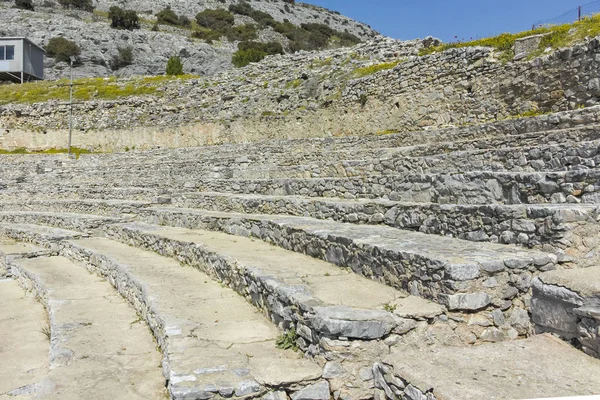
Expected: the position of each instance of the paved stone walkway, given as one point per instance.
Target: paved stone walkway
(98, 348)
(23, 344)
(213, 342)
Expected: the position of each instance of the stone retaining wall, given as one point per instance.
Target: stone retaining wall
(457, 87)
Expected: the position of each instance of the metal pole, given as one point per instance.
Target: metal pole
(70, 109)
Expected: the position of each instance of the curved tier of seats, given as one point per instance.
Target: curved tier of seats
(420, 265)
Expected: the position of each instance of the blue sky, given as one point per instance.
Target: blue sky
(445, 19)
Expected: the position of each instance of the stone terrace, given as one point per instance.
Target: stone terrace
(420, 265)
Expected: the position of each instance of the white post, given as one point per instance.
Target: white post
(70, 109)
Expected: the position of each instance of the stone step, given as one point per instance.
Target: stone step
(218, 164)
(561, 150)
(40, 235)
(95, 190)
(24, 345)
(555, 227)
(11, 249)
(97, 345)
(102, 207)
(324, 300)
(541, 366)
(467, 188)
(214, 344)
(463, 275)
(84, 223)
(560, 226)
(567, 303)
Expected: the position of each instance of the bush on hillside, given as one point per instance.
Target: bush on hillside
(249, 52)
(24, 4)
(269, 47)
(206, 34)
(242, 32)
(62, 49)
(217, 20)
(125, 19)
(85, 5)
(244, 8)
(169, 17)
(174, 66)
(313, 36)
(241, 58)
(122, 59)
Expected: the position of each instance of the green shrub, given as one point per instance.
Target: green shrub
(313, 36)
(241, 58)
(249, 52)
(123, 58)
(218, 20)
(167, 16)
(242, 8)
(242, 32)
(62, 49)
(174, 66)
(24, 4)
(207, 34)
(126, 19)
(269, 47)
(184, 21)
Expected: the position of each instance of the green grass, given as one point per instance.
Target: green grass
(22, 150)
(373, 69)
(556, 37)
(84, 89)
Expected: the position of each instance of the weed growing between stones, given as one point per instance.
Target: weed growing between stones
(287, 340)
(45, 330)
(390, 307)
(372, 69)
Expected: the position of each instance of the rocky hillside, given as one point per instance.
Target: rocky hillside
(151, 49)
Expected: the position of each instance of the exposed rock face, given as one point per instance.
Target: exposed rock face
(151, 50)
(99, 43)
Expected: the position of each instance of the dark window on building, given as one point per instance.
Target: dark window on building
(7, 53)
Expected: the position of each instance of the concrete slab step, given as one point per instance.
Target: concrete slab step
(460, 274)
(24, 345)
(541, 366)
(214, 344)
(97, 347)
(567, 303)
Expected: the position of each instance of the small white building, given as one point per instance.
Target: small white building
(21, 60)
